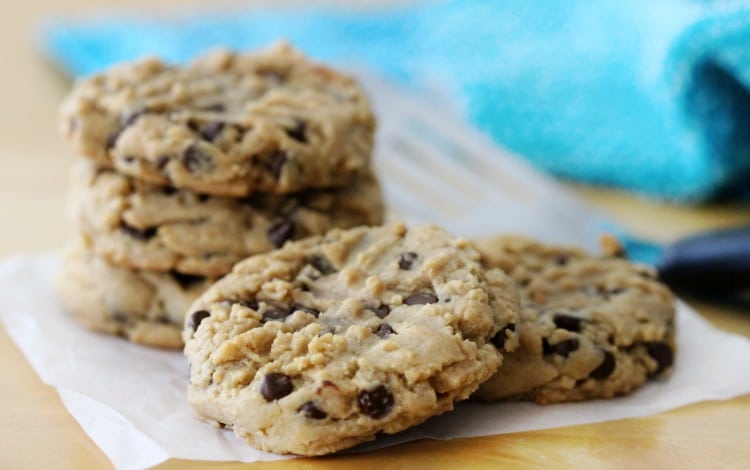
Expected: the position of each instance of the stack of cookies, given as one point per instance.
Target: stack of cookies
(183, 171)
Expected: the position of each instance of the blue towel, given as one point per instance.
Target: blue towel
(645, 95)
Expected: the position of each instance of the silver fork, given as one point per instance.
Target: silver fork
(434, 167)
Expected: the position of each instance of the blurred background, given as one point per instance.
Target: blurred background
(639, 106)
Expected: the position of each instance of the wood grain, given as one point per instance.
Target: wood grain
(37, 432)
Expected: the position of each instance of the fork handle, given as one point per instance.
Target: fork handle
(710, 263)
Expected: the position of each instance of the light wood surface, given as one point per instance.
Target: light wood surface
(37, 432)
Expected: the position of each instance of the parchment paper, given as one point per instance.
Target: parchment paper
(131, 399)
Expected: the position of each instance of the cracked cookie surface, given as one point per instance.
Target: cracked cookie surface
(322, 344)
(143, 307)
(591, 327)
(145, 226)
(226, 123)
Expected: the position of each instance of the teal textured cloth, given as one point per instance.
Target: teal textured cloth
(651, 96)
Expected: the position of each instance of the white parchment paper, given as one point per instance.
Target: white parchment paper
(131, 399)
(434, 168)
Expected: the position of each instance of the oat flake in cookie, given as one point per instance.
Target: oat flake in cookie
(144, 226)
(143, 307)
(226, 123)
(322, 344)
(591, 327)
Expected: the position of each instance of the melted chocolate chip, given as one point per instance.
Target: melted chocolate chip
(211, 130)
(280, 232)
(309, 310)
(499, 339)
(143, 235)
(311, 410)
(421, 298)
(194, 159)
(604, 369)
(275, 161)
(161, 162)
(376, 402)
(186, 280)
(546, 348)
(274, 314)
(196, 318)
(662, 353)
(322, 264)
(299, 131)
(384, 330)
(382, 311)
(112, 140)
(275, 386)
(567, 322)
(564, 348)
(406, 260)
(250, 303)
(120, 317)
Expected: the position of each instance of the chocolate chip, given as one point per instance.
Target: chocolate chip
(615, 291)
(161, 162)
(186, 280)
(310, 410)
(299, 131)
(211, 130)
(138, 234)
(128, 159)
(564, 348)
(280, 232)
(203, 197)
(275, 161)
(275, 386)
(606, 368)
(406, 260)
(196, 318)
(567, 322)
(499, 339)
(322, 264)
(376, 402)
(384, 330)
(421, 298)
(112, 140)
(274, 314)
(661, 353)
(194, 159)
(120, 317)
(546, 348)
(251, 304)
(561, 259)
(382, 311)
(309, 310)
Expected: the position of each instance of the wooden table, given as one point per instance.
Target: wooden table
(37, 432)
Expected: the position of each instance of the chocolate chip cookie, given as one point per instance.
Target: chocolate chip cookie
(145, 226)
(591, 327)
(226, 124)
(328, 341)
(144, 307)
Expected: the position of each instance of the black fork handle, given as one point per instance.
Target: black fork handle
(715, 262)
